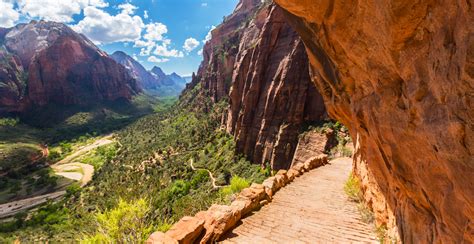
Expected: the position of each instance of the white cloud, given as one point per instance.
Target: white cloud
(204, 4)
(127, 8)
(154, 41)
(9, 16)
(162, 50)
(157, 60)
(54, 10)
(145, 14)
(200, 51)
(190, 44)
(155, 31)
(209, 34)
(101, 27)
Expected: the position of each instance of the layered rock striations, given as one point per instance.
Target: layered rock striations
(257, 62)
(400, 75)
(47, 62)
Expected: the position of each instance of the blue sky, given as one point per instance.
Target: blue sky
(165, 33)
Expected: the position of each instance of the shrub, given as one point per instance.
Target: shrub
(124, 224)
(236, 185)
(353, 191)
(9, 121)
(179, 188)
(352, 188)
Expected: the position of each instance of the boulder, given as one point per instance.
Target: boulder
(292, 174)
(217, 220)
(270, 186)
(187, 230)
(160, 238)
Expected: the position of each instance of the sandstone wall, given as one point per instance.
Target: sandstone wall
(258, 62)
(400, 75)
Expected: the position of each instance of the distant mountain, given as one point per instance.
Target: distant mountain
(154, 81)
(179, 81)
(47, 62)
(136, 70)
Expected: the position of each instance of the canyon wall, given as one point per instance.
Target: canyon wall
(258, 62)
(400, 76)
(47, 62)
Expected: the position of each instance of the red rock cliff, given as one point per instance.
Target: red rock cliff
(400, 75)
(258, 62)
(47, 62)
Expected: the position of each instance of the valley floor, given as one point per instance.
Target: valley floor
(312, 209)
(68, 168)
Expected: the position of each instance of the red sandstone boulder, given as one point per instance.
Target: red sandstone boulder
(160, 238)
(187, 230)
(217, 220)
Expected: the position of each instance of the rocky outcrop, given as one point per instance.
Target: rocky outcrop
(256, 61)
(12, 82)
(311, 144)
(400, 75)
(220, 52)
(47, 62)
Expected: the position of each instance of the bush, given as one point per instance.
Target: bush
(352, 188)
(237, 184)
(9, 121)
(124, 224)
(353, 191)
(179, 188)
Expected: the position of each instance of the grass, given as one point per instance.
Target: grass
(353, 190)
(237, 184)
(99, 156)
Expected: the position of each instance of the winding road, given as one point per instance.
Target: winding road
(67, 168)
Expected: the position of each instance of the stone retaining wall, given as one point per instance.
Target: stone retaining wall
(208, 226)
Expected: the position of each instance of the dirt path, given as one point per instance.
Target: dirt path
(84, 175)
(213, 180)
(312, 209)
(85, 149)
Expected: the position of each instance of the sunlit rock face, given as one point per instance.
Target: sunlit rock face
(400, 75)
(47, 62)
(259, 63)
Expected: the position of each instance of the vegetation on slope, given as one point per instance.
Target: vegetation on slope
(23, 167)
(152, 168)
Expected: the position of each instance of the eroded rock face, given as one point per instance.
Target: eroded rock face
(47, 62)
(258, 62)
(312, 144)
(12, 82)
(54, 76)
(400, 75)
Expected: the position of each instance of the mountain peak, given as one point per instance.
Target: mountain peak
(119, 53)
(158, 71)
